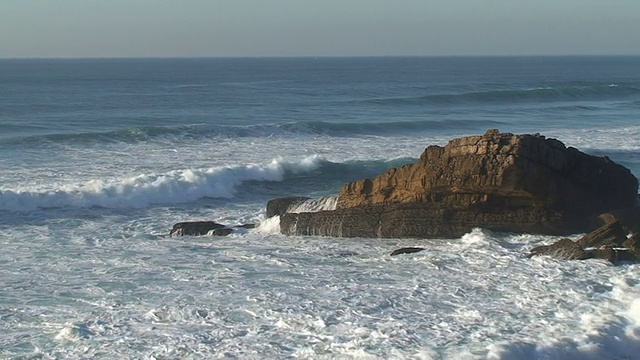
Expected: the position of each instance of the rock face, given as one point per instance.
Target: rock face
(498, 181)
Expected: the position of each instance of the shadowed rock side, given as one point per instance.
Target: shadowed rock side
(497, 181)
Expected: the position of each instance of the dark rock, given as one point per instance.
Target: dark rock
(613, 255)
(413, 220)
(565, 249)
(633, 246)
(194, 228)
(406, 250)
(633, 242)
(220, 232)
(607, 243)
(611, 234)
(497, 181)
(278, 207)
(628, 217)
(246, 226)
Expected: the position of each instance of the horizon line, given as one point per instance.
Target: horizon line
(307, 56)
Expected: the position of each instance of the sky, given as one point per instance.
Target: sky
(230, 28)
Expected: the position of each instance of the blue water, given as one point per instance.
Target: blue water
(100, 157)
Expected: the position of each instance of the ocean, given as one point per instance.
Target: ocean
(100, 157)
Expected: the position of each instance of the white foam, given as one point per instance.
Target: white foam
(172, 187)
(613, 138)
(270, 225)
(315, 205)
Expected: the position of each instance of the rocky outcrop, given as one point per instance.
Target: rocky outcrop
(565, 249)
(497, 181)
(605, 243)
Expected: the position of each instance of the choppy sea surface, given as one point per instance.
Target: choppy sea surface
(99, 158)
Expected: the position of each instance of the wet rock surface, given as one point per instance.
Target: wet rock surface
(605, 243)
(200, 228)
(406, 250)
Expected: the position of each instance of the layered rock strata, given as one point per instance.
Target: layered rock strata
(497, 181)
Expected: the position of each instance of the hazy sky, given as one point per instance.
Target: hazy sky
(141, 28)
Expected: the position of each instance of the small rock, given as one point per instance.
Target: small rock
(194, 228)
(406, 250)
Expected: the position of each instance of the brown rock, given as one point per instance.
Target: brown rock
(611, 234)
(565, 249)
(502, 169)
(497, 181)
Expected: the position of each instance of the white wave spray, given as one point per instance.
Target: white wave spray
(176, 186)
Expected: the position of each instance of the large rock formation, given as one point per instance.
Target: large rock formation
(498, 181)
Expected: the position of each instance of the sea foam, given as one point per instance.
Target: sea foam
(176, 186)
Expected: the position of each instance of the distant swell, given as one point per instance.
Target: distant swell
(575, 93)
(204, 131)
(182, 186)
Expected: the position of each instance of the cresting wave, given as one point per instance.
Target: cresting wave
(176, 186)
(570, 93)
(187, 185)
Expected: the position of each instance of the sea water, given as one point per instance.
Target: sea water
(99, 158)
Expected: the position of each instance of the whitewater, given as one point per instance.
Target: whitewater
(100, 158)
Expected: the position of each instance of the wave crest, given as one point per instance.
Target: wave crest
(178, 186)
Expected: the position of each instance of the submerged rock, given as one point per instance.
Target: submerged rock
(406, 250)
(497, 181)
(211, 228)
(194, 228)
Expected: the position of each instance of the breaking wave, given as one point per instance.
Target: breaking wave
(187, 185)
